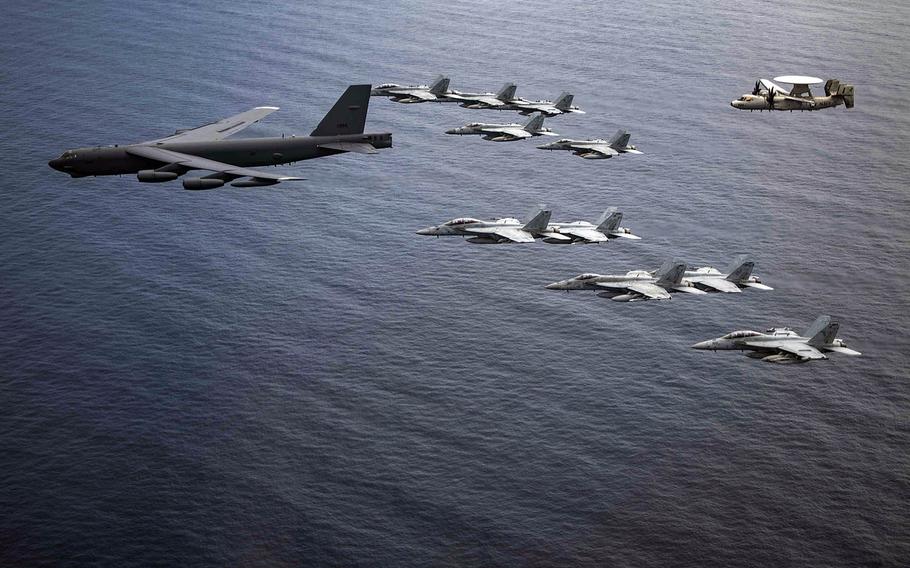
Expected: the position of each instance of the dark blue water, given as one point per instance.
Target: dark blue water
(289, 376)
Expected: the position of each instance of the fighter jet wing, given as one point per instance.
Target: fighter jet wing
(603, 149)
(220, 129)
(197, 163)
(646, 289)
(716, 284)
(513, 132)
(590, 235)
(489, 101)
(556, 236)
(511, 233)
(801, 350)
(416, 94)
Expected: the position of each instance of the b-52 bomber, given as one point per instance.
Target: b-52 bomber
(596, 149)
(767, 95)
(737, 276)
(505, 132)
(204, 148)
(607, 228)
(495, 231)
(783, 345)
(409, 94)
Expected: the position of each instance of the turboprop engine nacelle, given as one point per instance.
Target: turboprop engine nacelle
(202, 183)
(152, 176)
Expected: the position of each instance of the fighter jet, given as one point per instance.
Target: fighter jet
(596, 149)
(783, 345)
(505, 132)
(204, 148)
(606, 228)
(410, 94)
(737, 276)
(635, 285)
(562, 105)
(496, 231)
(769, 96)
(483, 100)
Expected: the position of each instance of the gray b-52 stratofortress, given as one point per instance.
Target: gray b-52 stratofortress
(737, 276)
(596, 149)
(769, 96)
(495, 231)
(409, 94)
(204, 148)
(606, 229)
(633, 286)
(783, 345)
(505, 132)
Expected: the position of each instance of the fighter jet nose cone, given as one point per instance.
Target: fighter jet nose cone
(427, 231)
(451, 131)
(554, 286)
(704, 345)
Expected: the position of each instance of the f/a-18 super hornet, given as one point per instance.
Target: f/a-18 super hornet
(767, 95)
(483, 100)
(562, 105)
(205, 148)
(783, 345)
(606, 228)
(596, 149)
(410, 94)
(495, 231)
(633, 286)
(505, 132)
(737, 276)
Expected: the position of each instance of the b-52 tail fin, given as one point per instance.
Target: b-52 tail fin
(349, 115)
(538, 222)
(740, 269)
(822, 331)
(564, 101)
(440, 85)
(534, 124)
(609, 221)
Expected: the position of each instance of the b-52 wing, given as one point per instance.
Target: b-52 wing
(513, 234)
(196, 163)
(646, 289)
(220, 129)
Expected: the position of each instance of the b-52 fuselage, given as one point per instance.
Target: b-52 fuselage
(204, 148)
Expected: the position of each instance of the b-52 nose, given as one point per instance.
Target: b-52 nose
(56, 164)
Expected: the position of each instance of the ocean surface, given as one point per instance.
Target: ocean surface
(289, 376)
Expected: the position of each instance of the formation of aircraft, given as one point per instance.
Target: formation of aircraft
(672, 277)
(205, 148)
(596, 149)
(511, 230)
(505, 132)
(783, 345)
(767, 95)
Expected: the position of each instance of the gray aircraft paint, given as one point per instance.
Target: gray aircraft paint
(342, 125)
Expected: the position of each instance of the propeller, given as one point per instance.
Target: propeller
(757, 88)
(770, 98)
